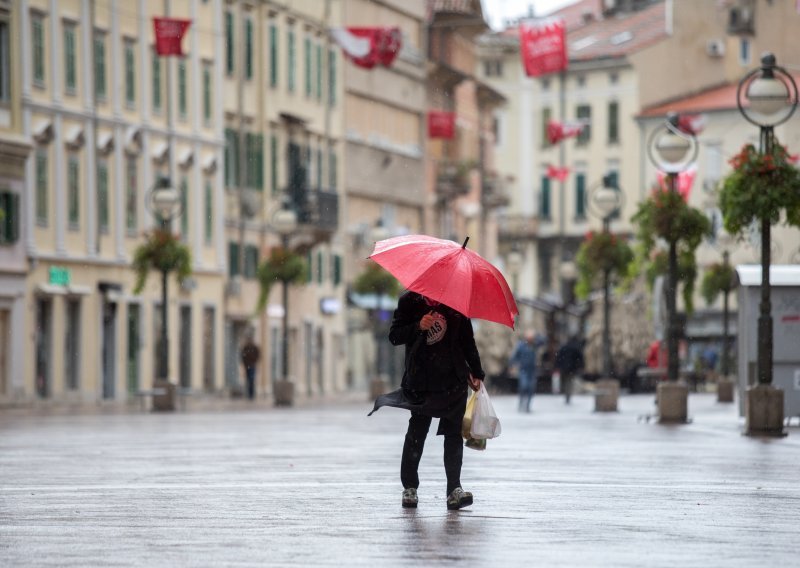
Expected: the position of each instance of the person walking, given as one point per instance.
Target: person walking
(250, 356)
(569, 360)
(523, 359)
(441, 361)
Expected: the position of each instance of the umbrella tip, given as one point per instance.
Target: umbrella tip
(465, 243)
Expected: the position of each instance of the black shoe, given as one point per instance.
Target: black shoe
(459, 499)
(410, 499)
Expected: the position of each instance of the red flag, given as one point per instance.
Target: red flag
(441, 124)
(169, 33)
(692, 123)
(368, 47)
(557, 131)
(684, 182)
(560, 174)
(543, 46)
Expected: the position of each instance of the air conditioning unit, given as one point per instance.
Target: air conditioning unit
(715, 48)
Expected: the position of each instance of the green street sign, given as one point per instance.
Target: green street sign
(59, 276)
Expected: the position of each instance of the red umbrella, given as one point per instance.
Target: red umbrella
(448, 273)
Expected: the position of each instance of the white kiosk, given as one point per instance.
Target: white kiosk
(785, 299)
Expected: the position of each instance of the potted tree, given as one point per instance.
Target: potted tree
(719, 279)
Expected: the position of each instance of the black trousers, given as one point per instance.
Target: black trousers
(418, 426)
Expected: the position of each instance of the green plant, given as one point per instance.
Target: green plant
(600, 252)
(717, 279)
(376, 280)
(164, 252)
(282, 265)
(665, 215)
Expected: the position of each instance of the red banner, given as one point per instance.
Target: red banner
(560, 174)
(557, 131)
(169, 33)
(441, 124)
(368, 47)
(543, 46)
(684, 181)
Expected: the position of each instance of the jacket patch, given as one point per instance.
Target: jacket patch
(438, 329)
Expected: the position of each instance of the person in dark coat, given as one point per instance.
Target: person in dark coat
(250, 356)
(441, 361)
(569, 360)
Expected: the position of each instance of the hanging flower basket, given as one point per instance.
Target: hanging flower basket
(717, 280)
(600, 252)
(164, 252)
(281, 266)
(761, 186)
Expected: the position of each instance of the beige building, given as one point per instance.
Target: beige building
(106, 116)
(283, 100)
(14, 151)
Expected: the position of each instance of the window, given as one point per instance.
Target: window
(581, 81)
(209, 216)
(250, 261)
(320, 267)
(273, 55)
(132, 362)
(184, 208)
(100, 65)
(130, 73)
(9, 221)
(131, 201)
(102, 195)
(547, 115)
(580, 196)
(254, 156)
(229, 60)
(70, 74)
(613, 181)
(182, 88)
(307, 57)
(248, 48)
(233, 259)
(544, 205)
(584, 114)
(156, 82)
(207, 92)
(291, 60)
(5, 62)
(332, 174)
(331, 77)
(613, 122)
(231, 158)
(493, 68)
(72, 344)
(273, 163)
(744, 51)
(42, 189)
(37, 37)
(337, 269)
(319, 72)
(319, 169)
(73, 193)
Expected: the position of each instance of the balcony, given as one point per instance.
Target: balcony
(517, 227)
(452, 178)
(494, 192)
(317, 210)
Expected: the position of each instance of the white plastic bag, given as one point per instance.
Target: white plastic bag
(556, 382)
(485, 423)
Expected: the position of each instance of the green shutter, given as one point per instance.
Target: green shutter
(207, 94)
(291, 61)
(259, 166)
(229, 60)
(42, 189)
(273, 163)
(130, 74)
(273, 55)
(185, 208)
(38, 50)
(248, 46)
(182, 88)
(319, 72)
(69, 58)
(544, 209)
(73, 192)
(132, 209)
(9, 217)
(102, 196)
(546, 116)
(613, 122)
(100, 66)
(307, 54)
(156, 79)
(332, 166)
(209, 216)
(231, 158)
(580, 196)
(337, 270)
(319, 267)
(233, 259)
(331, 77)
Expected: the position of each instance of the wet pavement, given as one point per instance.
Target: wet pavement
(318, 486)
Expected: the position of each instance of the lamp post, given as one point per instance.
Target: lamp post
(285, 223)
(672, 151)
(772, 96)
(165, 204)
(605, 201)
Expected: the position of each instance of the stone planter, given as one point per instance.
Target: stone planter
(164, 393)
(284, 393)
(673, 402)
(763, 411)
(724, 390)
(606, 395)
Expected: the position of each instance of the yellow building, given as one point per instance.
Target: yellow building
(282, 92)
(14, 149)
(106, 117)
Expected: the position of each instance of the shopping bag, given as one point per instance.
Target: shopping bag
(466, 422)
(485, 423)
(556, 382)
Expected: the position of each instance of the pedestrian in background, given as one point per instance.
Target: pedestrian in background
(523, 359)
(441, 360)
(569, 361)
(250, 355)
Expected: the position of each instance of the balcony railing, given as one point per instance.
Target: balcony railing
(494, 192)
(318, 209)
(513, 227)
(452, 178)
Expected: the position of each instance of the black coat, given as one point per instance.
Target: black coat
(569, 358)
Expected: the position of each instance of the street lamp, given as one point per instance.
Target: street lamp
(772, 94)
(165, 204)
(604, 201)
(284, 221)
(672, 151)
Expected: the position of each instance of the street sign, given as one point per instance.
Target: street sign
(59, 276)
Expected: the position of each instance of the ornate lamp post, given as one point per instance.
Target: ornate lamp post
(604, 201)
(772, 96)
(284, 221)
(165, 204)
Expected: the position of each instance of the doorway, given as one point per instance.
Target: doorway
(44, 323)
(185, 348)
(109, 349)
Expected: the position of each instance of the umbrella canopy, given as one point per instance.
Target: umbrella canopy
(448, 273)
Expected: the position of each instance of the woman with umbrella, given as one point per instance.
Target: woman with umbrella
(441, 358)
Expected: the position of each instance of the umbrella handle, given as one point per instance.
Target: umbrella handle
(465, 243)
